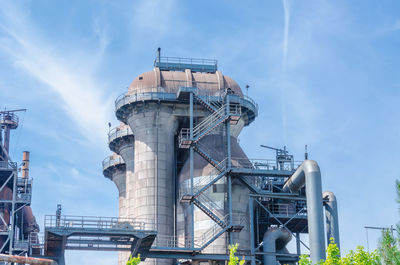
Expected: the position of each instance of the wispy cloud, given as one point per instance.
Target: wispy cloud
(69, 75)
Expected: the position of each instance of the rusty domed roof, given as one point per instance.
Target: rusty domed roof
(171, 81)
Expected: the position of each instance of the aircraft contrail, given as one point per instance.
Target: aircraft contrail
(286, 13)
(286, 10)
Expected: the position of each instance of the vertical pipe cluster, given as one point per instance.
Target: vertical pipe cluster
(309, 174)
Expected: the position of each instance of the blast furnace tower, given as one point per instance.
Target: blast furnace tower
(183, 172)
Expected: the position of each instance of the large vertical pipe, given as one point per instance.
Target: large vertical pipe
(25, 164)
(7, 139)
(331, 215)
(308, 173)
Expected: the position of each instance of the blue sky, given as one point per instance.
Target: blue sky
(325, 73)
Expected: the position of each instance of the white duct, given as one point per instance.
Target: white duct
(331, 216)
(309, 174)
(275, 239)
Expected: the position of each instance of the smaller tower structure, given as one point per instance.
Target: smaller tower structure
(18, 226)
(119, 168)
(8, 121)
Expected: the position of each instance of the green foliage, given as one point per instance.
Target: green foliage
(233, 260)
(358, 257)
(388, 248)
(133, 260)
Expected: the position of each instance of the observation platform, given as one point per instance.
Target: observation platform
(111, 164)
(181, 64)
(126, 102)
(118, 137)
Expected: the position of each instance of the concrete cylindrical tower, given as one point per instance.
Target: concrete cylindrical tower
(121, 141)
(114, 168)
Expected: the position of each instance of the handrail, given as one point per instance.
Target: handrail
(186, 60)
(94, 222)
(162, 93)
(112, 161)
(214, 230)
(8, 165)
(211, 205)
(118, 132)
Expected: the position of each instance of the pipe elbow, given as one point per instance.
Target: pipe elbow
(310, 166)
(280, 236)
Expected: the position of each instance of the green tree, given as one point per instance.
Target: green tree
(233, 260)
(388, 248)
(133, 260)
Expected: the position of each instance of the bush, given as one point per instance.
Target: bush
(358, 257)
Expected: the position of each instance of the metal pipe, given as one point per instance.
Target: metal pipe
(274, 239)
(25, 164)
(309, 174)
(331, 216)
(26, 260)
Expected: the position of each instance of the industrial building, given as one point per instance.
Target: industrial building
(178, 165)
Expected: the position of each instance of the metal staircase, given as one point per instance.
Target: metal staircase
(206, 101)
(205, 153)
(211, 209)
(213, 233)
(232, 111)
(222, 111)
(201, 184)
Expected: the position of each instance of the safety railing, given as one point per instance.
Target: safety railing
(264, 164)
(201, 181)
(217, 209)
(186, 60)
(212, 232)
(210, 154)
(24, 197)
(118, 133)
(288, 209)
(111, 161)
(8, 165)
(148, 93)
(213, 96)
(164, 241)
(20, 244)
(9, 118)
(180, 64)
(92, 222)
